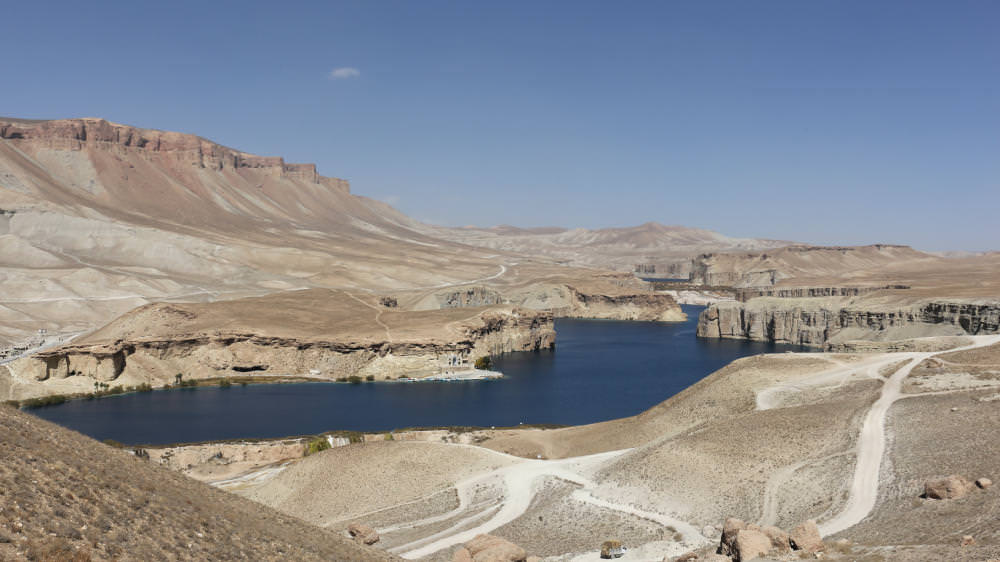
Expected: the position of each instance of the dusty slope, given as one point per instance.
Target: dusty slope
(98, 218)
(773, 439)
(650, 249)
(65, 495)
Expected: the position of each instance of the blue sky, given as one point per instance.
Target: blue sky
(831, 122)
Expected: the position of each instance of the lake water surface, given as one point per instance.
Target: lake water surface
(600, 370)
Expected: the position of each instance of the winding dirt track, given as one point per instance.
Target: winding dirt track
(518, 491)
(871, 444)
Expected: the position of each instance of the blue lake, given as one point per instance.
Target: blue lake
(600, 370)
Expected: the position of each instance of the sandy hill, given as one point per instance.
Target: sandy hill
(97, 218)
(68, 497)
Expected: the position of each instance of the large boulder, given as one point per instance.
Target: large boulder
(727, 544)
(487, 548)
(806, 537)
(780, 540)
(984, 483)
(363, 533)
(750, 544)
(949, 488)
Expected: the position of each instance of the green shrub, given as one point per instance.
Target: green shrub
(370, 378)
(316, 445)
(225, 383)
(484, 363)
(354, 379)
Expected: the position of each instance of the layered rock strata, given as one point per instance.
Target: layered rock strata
(156, 342)
(826, 322)
(604, 300)
(76, 134)
(747, 293)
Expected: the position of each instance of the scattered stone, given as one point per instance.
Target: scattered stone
(779, 539)
(806, 537)
(363, 533)
(984, 483)
(948, 488)
(954, 409)
(750, 544)
(487, 548)
(611, 549)
(968, 540)
(727, 545)
(686, 557)
(533, 559)
(716, 558)
(708, 531)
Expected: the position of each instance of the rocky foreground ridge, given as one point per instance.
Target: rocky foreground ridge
(319, 334)
(826, 321)
(67, 497)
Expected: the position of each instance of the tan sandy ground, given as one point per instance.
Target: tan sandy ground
(344, 483)
(769, 439)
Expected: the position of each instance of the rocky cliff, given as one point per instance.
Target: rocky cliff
(154, 343)
(609, 298)
(829, 321)
(76, 134)
(747, 293)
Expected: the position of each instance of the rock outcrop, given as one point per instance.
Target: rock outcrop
(488, 548)
(947, 488)
(817, 322)
(806, 537)
(742, 541)
(608, 297)
(75, 134)
(362, 533)
(153, 343)
(745, 294)
(750, 544)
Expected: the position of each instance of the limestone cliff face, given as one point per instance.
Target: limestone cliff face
(745, 294)
(127, 362)
(825, 322)
(645, 306)
(603, 301)
(77, 134)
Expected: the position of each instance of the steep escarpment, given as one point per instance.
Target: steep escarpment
(593, 294)
(825, 321)
(77, 134)
(621, 305)
(747, 293)
(320, 334)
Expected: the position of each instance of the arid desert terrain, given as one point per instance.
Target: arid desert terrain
(130, 255)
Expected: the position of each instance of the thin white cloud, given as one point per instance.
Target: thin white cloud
(344, 72)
